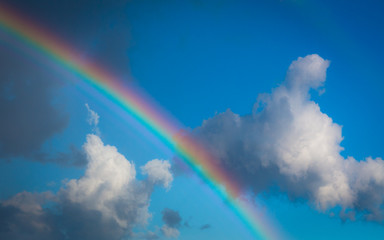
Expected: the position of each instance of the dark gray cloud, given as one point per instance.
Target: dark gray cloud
(172, 222)
(73, 157)
(22, 217)
(82, 223)
(171, 217)
(96, 28)
(99, 205)
(29, 114)
(287, 145)
(205, 226)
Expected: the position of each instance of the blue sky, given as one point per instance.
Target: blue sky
(196, 59)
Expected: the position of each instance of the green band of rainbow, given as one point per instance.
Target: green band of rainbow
(143, 111)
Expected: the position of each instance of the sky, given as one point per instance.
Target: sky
(285, 95)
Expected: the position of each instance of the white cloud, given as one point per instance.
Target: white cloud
(305, 73)
(158, 171)
(109, 178)
(170, 231)
(109, 184)
(287, 141)
(93, 119)
(105, 203)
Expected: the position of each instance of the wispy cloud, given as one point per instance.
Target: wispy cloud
(93, 119)
(205, 226)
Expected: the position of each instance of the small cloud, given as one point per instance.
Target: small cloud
(186, 224)
(170, 231)
(172, 222)
(171, 218)
(158, 171)
(205, 226)
(93, 119)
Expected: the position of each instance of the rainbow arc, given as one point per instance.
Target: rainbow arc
(144, 111)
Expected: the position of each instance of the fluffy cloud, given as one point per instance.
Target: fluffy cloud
(108, 182)
(171, 217)
(105, 203)
(158, 172)
(170, 231)
(172, 221)
(289, 143)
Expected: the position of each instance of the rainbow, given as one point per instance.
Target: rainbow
(144, 111)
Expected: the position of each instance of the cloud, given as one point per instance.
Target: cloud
(205, 226)
(22, 217)
(110, 191)
(29, 115)
(93, 119)
(30, 111)
(100, 191)
(186, 224)
(151, 236)
(171, 218)
(170, 231)
(105, 203)
(172, 222)
(158, 172)
(288, 144)
(73, 157)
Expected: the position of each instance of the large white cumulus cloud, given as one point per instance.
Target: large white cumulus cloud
(109, 185)
(105, 203)
(289, 143)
